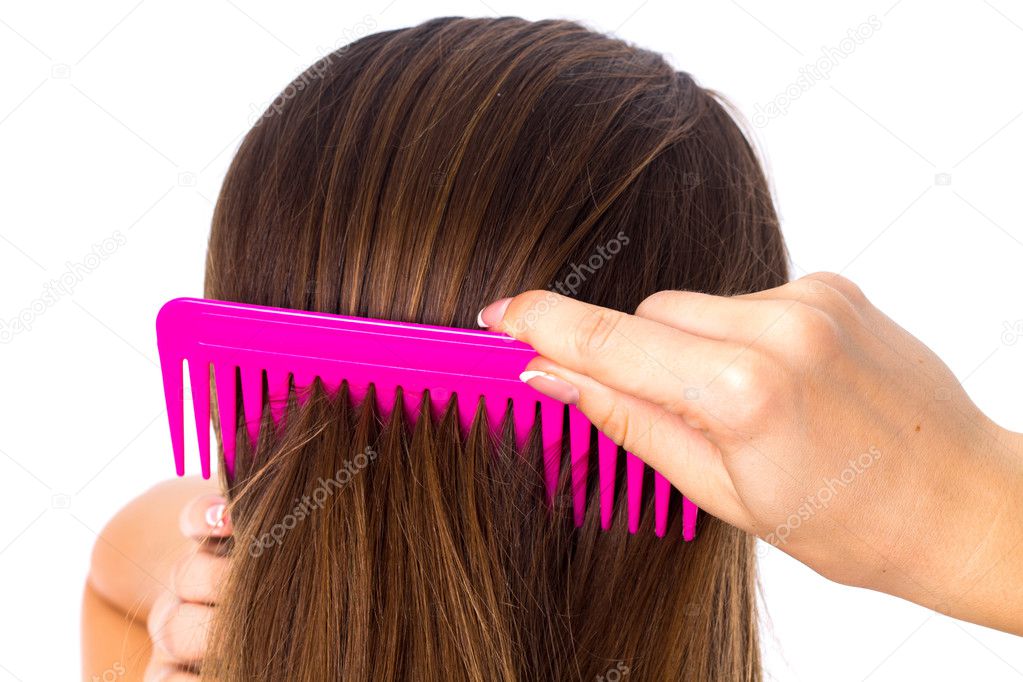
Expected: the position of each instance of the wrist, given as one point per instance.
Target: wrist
(977, 552)
(956, 546)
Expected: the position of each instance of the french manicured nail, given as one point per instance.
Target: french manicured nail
(216, 517)
(551, 386)
(493, 313)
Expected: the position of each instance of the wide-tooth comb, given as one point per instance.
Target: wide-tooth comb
(266, 351)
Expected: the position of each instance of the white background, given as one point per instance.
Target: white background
(900, 170)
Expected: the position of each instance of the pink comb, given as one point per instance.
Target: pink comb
(291, 346)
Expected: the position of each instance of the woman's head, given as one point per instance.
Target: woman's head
(416, 175)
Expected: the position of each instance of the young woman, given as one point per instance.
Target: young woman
(418, 175)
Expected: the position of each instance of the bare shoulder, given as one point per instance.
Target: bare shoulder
(135, 552)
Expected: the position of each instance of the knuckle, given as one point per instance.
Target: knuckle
(835, 288)
(183, 634)
(739, 377)
(164, 626)
(192, 578)
(159, 613)
(808, 330)
(170, 640)
(615, 423)
(851, 290)
(595, 331)
(831, 278)
(749, 383)
(179, 575)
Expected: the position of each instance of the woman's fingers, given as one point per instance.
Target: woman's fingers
(198, 577)
(180, 620)
(735, 319)
(681, 453)
(790, 413)
(179, 630)
(809, 287)
(162, 668)
(651, 361)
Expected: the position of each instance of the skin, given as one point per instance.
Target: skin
(153, 583)
(801, 414)
(804, 415)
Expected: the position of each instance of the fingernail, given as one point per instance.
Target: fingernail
(551, 386)
(493, 313)
(215, 516)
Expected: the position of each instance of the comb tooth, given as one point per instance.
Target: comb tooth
(689, 511)
(634, 478)
(496, 409)
(252, 401)
(662, 500)
(607, 451)
(174, 395)
(227, 406)
(429, 404)
(199, 377)
(579, 440)
(552, 431)
(277, 393)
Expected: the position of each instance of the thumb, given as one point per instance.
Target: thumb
(662, 439)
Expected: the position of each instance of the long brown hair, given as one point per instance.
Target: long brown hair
(416, 175)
